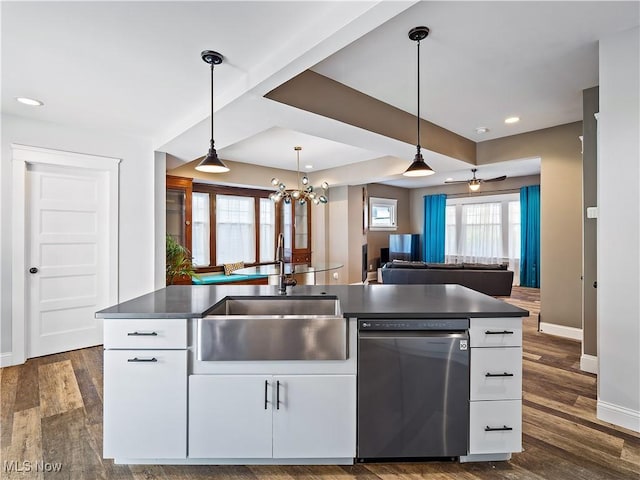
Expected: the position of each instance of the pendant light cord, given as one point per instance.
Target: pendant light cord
(211, 104)
(418, 116)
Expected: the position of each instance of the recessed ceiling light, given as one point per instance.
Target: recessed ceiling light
(308, 166)
(512, 120)
(449, 179)
(482, 130)
(30, 101)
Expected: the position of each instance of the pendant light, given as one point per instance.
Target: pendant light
(211, 163)
(302, 194)
(418, 168)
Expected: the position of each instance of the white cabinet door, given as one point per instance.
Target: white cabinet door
(316, 416)
(145, 403)
(230, 416)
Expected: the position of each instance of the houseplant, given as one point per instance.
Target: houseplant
(179, 263)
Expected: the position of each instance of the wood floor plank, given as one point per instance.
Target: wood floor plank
(587, 437)
(630, 452)
(25, 449)
(67, 439)
(207, 472)
(28, 389)
(576, 447)
(8, 389)
(59, 391)
(553, 463)
(90, 398)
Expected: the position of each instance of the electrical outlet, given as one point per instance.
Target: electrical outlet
(335, 275)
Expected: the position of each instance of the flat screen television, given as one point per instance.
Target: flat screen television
(404, 246)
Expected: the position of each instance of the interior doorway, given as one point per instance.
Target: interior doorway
(66, 249)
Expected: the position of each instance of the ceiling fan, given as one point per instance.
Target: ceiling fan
(474, 183)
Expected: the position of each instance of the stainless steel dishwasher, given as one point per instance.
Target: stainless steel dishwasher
(413, 388)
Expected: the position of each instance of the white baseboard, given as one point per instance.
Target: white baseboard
(6, 359)
(561, 331)
(589, 363)
(621, 416)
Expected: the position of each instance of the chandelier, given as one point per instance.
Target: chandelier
(302, 194)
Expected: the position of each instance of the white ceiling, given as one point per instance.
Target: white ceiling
(135, 67)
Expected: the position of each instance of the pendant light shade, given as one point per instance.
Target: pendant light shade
(418, 168)
(211, 163)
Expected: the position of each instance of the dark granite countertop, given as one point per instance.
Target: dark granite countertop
(363, 301)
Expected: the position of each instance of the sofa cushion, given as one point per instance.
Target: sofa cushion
(484, 266)
(405, 264)
(444, 266)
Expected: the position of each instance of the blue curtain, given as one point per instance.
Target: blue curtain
(530, 236)
(434, 227)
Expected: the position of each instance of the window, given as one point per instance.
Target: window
(481, 233)
(235, 229)
(450, 246)
(383, 213)
(267, 230)
(201, 232)
(231, 225)
(484, 229)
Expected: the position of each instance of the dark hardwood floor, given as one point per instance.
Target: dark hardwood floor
(52, 412)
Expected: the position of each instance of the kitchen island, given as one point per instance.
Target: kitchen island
(165, 404)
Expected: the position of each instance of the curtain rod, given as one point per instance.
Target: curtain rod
(483, 194)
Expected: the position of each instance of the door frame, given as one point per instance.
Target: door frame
(22, 156)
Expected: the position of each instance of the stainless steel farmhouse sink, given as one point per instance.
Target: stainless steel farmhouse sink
(273, 328)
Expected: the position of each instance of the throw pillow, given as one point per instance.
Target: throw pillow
(230, 267)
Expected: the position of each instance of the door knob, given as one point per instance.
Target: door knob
(595, 284)
(33, 270)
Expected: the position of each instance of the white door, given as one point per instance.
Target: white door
(315, 417)
(67, 266)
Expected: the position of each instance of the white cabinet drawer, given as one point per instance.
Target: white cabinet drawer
(141, 333)
(495, 426)
(496, 373)
(496, 332)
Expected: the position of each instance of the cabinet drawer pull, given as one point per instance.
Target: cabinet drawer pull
(505, 374)
(142, 334)
(266, 384)
(504, 428)
(136, 359)
(503, 332)
(278, 395)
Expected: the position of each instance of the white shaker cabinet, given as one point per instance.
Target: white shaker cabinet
(145, 389)
(316, 418)
(272, 416)
(230, 416)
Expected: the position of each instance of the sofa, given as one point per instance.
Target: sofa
(491, 279)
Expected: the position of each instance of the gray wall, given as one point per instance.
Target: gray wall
(377, 240)
(589, 239)
(560, 214)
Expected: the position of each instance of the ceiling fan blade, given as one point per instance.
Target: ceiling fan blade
(451, 182)
(497, 179)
